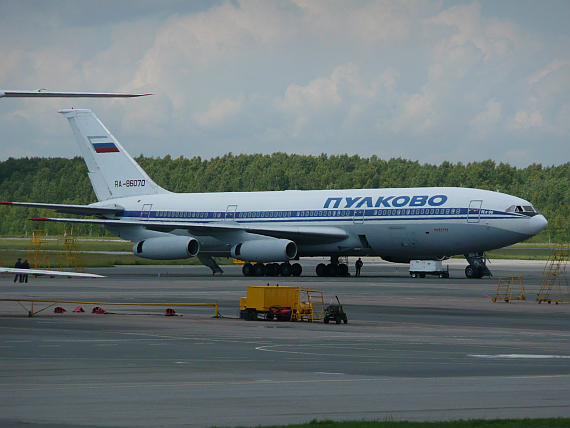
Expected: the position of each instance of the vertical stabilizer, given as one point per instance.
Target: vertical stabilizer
(112, 171)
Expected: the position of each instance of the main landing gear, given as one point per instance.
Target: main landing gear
(477, 266)
(334, 268)
(272, 269)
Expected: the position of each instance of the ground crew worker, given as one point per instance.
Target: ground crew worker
(358, 266)
(18, 266)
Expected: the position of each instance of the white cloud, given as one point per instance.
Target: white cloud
(219, 110)
(525, 120)
(320, 94)
(491, 36)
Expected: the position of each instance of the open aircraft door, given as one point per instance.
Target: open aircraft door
(145, 212)
(474, 212)
(230, 213)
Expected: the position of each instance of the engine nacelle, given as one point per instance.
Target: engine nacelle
(265, 250)
(167, 248)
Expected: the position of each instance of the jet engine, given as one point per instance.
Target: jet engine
(265, 250)
(167, 248)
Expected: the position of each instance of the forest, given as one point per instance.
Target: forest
(61, 180)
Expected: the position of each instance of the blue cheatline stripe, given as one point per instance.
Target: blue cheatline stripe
(320, 215)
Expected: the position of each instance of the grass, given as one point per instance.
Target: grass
(472, 423)
(520, 253)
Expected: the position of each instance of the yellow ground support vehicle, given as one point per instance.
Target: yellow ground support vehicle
(282, 303)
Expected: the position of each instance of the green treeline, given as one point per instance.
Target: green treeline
(59, 180)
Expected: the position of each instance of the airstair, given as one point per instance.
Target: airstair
(68, 255)
(554, 283)
(505, 288)
(38, 255)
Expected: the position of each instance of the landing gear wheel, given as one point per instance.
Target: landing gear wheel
(270, 270)
(296, 269)
(473, 272)
(331, 270)
(247, 269)
(251, 315)
(342, 270)
(321, 269)
(479, 273)
(259, 269)
(285, 269)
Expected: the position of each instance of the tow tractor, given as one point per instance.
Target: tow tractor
(335, 312)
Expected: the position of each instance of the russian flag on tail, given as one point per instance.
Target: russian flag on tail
(106, 146)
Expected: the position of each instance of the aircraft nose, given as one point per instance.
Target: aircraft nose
(537, 224)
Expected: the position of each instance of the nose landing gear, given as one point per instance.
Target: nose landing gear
(477, 266)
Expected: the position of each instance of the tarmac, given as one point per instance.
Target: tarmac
(413, 349)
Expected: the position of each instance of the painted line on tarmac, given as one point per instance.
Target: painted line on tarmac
(522, 356)
(9, 387)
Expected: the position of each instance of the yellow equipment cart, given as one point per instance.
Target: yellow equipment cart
(282, 304)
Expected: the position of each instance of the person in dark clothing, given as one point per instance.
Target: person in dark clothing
(25, 265)
(358, 266)
(18, 266)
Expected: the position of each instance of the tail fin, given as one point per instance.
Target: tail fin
(112, 171)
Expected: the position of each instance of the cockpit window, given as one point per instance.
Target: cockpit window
(527, 210)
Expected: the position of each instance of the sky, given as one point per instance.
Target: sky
(426, 80)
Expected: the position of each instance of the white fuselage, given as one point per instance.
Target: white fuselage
(396, 224)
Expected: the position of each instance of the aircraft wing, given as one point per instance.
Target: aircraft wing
(42, 93)
(299, 234)
(70, 209)
(49, 273)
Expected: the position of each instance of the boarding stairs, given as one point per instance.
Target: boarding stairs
(554, 283)
(505, 288)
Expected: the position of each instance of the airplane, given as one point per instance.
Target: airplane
(46, 272)
(270, 231)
